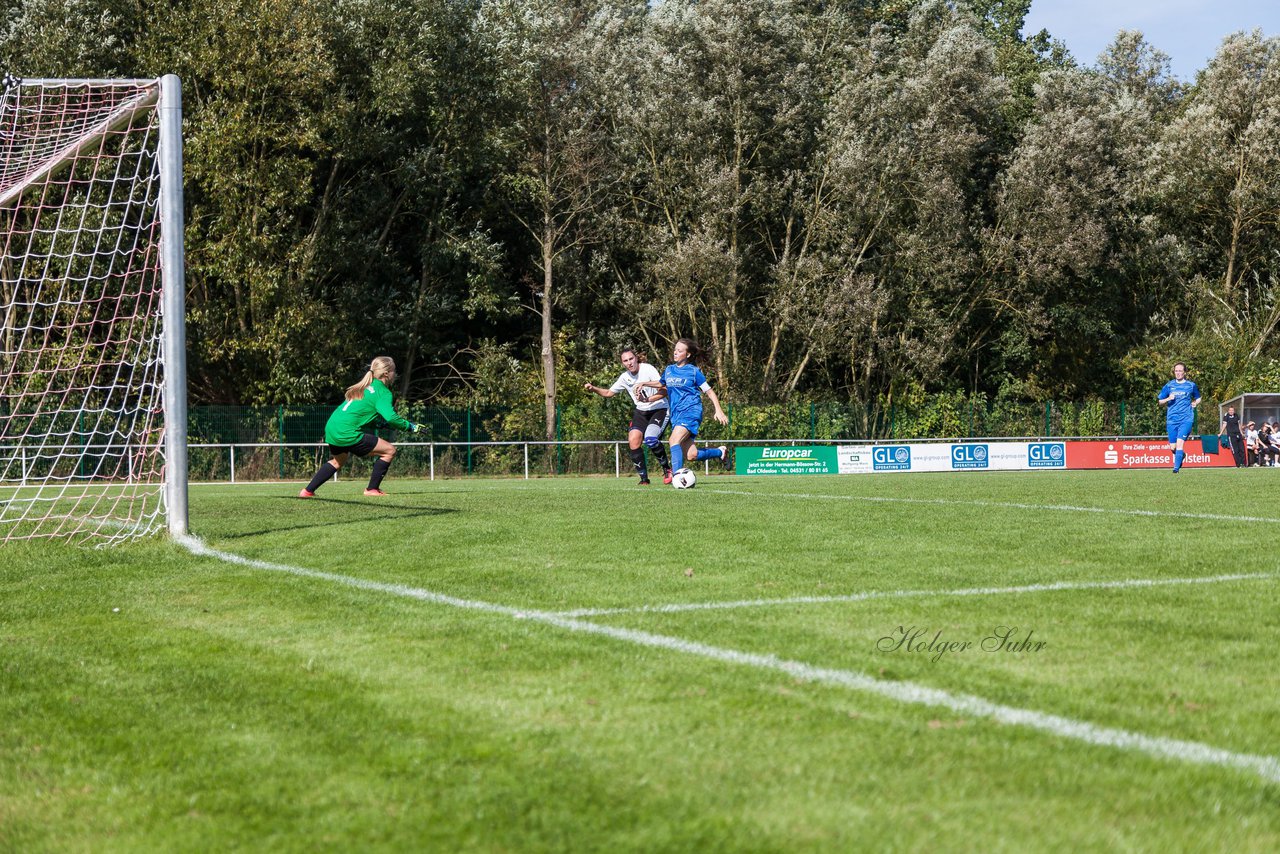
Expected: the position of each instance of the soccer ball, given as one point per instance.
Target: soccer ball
(683, 479)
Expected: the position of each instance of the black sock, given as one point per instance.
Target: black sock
(661, 453)
(637, 460)
(323, 473)
(380, 467)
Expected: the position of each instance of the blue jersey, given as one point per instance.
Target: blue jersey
(1183, 391)
(684, 390)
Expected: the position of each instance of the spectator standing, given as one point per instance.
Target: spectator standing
(1231, 429)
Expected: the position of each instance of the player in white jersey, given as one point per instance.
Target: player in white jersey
(649, 415)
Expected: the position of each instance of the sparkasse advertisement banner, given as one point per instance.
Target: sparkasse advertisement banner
(1140, 454)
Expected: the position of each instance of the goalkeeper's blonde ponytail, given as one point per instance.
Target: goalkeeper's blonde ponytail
(379, 368)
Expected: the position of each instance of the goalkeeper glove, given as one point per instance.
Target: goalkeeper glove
(417, 428)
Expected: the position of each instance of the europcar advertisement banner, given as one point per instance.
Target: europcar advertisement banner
(797, 459)
(1140, 454)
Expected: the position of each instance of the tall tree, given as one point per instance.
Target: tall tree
(1071, 230)
(912, 130)
(412, 207)
(258, 80)
(1219, 160)
(556, 139)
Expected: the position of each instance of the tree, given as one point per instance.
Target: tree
(1071, 233)
(1218, 162)
(912, 132)
(415, 160)
(556, 140)
(69, 38)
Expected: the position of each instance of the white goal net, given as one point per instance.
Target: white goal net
(92, 352)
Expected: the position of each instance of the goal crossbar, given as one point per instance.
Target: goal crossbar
(119, 118)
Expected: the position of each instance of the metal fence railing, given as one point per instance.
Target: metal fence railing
(270, 461)
(263, 461)
(235, 462)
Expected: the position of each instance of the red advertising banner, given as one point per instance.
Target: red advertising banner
(1140, 454)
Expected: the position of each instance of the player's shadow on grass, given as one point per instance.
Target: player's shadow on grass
(380, 511)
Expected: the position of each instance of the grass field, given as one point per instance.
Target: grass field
(578, 664)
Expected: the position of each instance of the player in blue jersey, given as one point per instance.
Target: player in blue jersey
(685, 384)
(1182, 396)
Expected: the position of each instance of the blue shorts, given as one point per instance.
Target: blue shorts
(690, 421)
(1179, 430)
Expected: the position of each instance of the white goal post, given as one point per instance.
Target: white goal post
(93, 404)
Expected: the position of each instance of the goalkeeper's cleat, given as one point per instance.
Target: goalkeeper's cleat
(644, 481)
(306, 493)
(666, 476)
(374, 493)
(724, 456)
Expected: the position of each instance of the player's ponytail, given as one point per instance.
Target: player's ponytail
(380, 367)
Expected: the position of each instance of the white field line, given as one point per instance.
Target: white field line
(1012, 505)
(1196, 753)
(452, 486)
(902, 594)
(884, 499)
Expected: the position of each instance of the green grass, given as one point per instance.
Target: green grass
(225, 706)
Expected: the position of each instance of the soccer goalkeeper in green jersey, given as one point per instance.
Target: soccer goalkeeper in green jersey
(366, 401)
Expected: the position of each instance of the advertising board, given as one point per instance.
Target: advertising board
(971, 456)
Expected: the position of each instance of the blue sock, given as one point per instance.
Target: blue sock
(1178, 457)
(677, 458)
(708, 454)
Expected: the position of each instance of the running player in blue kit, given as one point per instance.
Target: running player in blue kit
(685, 385)
(1182, 396)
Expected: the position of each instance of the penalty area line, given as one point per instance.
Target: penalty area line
(1050, 587)
(1191, 752)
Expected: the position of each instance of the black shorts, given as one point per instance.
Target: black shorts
(361, 449)
(650, 423)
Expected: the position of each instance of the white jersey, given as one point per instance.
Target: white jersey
(646, 373)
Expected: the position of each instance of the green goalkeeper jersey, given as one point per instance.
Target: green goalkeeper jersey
(347, 424)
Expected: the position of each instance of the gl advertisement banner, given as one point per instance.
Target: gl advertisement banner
(952, 456)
